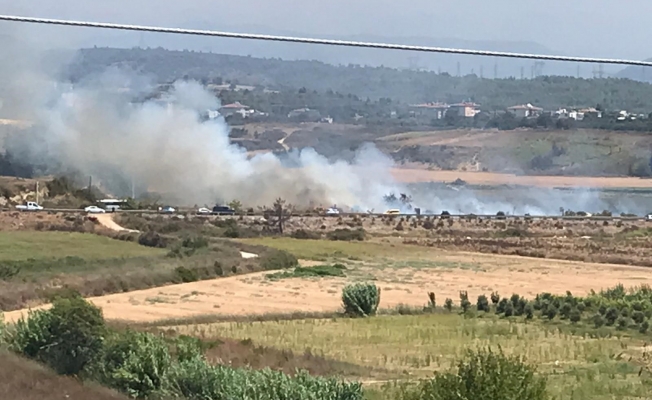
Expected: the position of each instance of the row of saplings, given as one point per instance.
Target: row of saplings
(72, 338)
(624, 309)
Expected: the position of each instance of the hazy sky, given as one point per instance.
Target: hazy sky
(585, 27)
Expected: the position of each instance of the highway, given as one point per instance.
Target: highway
(186, 212)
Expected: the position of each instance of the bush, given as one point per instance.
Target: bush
(611, 316)
(464, 302)
(195, 379)
(135, 363)
(574, 315)
(232, 232)
(305, 235)
(186, 275)
(638, 317)
(528, 310)
(67, 337)
(645, 326)
(486, 375)
(551, 312)
(502, 305)
(195, 243)
(598, 320)
(483, 303)
(495, 298)
(361, 299)
(347, 234)
(152, 239)
(509, 309)
(278, 259)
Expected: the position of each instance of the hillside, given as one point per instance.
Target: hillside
(408, 86)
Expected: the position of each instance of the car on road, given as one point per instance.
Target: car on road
(167, 210)
(204, 211)
(94, 210)
(223, 210)
(332, 211)
(29, 206)
(393, 211)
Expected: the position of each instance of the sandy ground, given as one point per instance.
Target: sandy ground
(414, 175)
(401, 283)
(106, 220)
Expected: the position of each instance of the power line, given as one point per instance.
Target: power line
(329, 42)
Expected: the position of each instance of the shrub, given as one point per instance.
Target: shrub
(486, 375)
(67, 337)
(361, 299)
(495, 298)
(574, 315)
(611, 316)
(9, 270)
(305, 235)
(232, 232)
(638, 317)
(464, 301)
(448, 305)
(598, 320)
(195, 243)
(645, 326)
(186, 275)
(502, 305)
(483, 303)
(622, 323)
(551, 312)
(528, 310)
(509, 309)
(195, 379)
(347, 234)
(135, 363)
(278, 259)
(565, 311)
(432, 301)
(152, 239)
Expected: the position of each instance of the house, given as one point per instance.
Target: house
(590, 111)
(465, 109)
(525, 111)
(433, 110)
(235, 108)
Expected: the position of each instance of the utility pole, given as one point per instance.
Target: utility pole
(459, 69)
(36, 192)
(481, 71)
(522, 72)
(496, 70)
(90, 186)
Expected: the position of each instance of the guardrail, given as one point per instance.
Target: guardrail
(351, 215)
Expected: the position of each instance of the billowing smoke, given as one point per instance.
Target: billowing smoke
(95, 128)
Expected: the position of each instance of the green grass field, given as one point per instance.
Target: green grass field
(50, 245)
(409, 347)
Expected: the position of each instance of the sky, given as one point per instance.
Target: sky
(598, 28)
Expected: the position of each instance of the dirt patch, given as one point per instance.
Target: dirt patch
(106, 220)
(402, 282)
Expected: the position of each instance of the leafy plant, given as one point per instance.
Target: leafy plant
(361, 299)
(483, 303)
(486, 375)
(67, 337)
(278, 259)
(448, 304)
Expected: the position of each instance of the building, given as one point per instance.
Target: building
(433, 110)
(525, 111)
(465, 109)
(235, 108)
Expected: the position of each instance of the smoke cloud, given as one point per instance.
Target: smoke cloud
(95, 128)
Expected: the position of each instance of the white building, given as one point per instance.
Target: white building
(525, 111)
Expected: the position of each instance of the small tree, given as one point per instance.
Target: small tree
(432, 303)
(551, 312)
(278, 215)
(464, 301)
(361, 299)
(495, 298)
(236, 206)
(483, 303)
(528, 310)
(575, 316)
(486, 375)
(448, 304)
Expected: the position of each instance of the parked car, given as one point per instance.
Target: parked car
(203, 211)
(94, 210)
(223, 210)
(167, 210)
(29, 206)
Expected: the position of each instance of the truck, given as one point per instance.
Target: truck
(29, 206)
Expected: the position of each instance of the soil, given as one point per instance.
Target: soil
(446, 273)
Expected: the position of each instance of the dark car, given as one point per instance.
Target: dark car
(223, 210)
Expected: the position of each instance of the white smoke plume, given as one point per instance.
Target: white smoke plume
(94, 128)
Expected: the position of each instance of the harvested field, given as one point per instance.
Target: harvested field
(405, 273)
(417, 175)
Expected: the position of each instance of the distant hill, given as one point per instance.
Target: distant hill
(344, 56)
(642, 74)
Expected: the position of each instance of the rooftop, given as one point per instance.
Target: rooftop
(235, 105)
